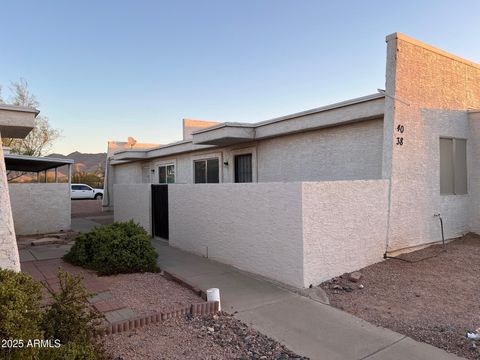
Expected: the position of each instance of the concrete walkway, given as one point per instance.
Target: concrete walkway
(305, 326)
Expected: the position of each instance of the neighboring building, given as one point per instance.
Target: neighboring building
(327, 190)
(39, 207)
(15, 122)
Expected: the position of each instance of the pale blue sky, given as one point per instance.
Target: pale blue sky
(106, 70)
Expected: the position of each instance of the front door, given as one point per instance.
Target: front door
(160, 211)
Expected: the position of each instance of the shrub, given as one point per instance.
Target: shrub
(69, 319)
(73, 321)
(20, 312)
(122, 247)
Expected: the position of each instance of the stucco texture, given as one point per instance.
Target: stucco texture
(133, 202)
(344, 227)
(40, 208)
(429, 94)
(328, 154)
(9, 258)
(254, 227)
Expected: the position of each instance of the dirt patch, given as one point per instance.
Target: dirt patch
(210, 337)
(85, 208)
(148, 292)
(434, 301)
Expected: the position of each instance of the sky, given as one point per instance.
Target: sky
(105, 70)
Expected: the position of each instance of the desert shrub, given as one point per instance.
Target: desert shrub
(20, 312)
(122, 247)
(69, 319)
(73, 321)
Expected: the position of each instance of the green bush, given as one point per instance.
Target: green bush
(20, 312)
(73, 321)
(122, 247)
(69, 319)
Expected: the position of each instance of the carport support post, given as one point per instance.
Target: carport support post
(45, 176)
(69, 173)
(56, 175)
(38, 176)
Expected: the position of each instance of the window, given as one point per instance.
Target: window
(453, 166)
(243, 168)
(206, 171)
(85, 187)
(166, 174)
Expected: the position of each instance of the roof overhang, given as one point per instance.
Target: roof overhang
(359, 109)
(26, 163)
(16, 121)
(225, 134)
(130, 155)
(355, 110)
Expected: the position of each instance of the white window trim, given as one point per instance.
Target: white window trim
(208, 156)
(164, 163)
(248, 150)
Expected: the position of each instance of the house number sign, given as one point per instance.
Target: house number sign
(400, 130)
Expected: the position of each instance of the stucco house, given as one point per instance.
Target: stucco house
(28, 208)
(311, 195)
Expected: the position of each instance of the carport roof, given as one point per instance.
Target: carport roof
(33, 163)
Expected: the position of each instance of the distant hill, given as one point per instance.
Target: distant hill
(86, 162)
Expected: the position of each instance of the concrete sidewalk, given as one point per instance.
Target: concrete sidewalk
(305, 326)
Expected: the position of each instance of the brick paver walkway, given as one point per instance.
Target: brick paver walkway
(46, 271)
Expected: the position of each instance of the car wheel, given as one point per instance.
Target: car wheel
(98, 197)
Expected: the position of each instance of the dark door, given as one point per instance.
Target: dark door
(160, 211)
(243, 168)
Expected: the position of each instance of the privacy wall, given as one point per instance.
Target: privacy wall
(295, 233)
(344, 227)
(133, 202)
(40, 208)
(254, 227)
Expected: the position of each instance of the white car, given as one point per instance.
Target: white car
(82, 191)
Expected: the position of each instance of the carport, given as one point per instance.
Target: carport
(36, 164)
(39, 207)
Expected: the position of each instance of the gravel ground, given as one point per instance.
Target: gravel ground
(210, 337)
(148, 292)
(434, 301)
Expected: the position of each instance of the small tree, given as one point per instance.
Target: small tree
(40, 140)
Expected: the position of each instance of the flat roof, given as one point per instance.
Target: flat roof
(18, 108)
(27, 163)
(264, 129)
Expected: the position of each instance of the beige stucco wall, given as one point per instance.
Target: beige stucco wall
(9, 258)
(344, 227)
(133, 202)
(40, 208)
(347, 152)
(429, 92)
(255, 227)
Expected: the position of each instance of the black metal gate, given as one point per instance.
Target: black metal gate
(160, 211)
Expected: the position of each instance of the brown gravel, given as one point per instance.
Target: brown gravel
(434, 301)
(210, 337)
(148, 292)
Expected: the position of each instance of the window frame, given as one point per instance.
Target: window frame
(205, 158)
(165, 164)
(454, 166)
